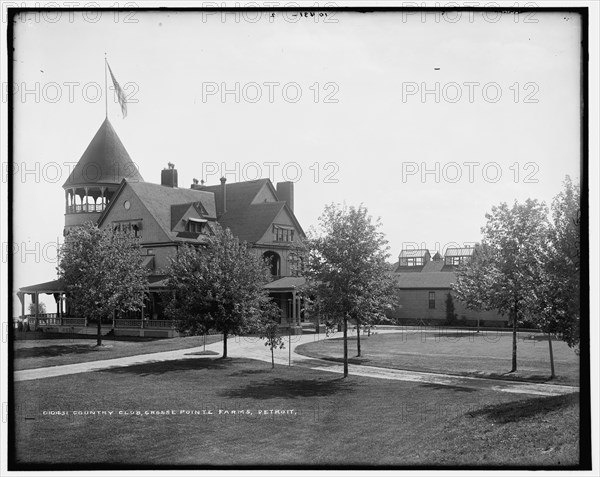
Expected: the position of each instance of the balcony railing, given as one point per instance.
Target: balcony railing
(85, 208)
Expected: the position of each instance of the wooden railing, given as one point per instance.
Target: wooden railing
(169, 324)
(73, 321)
(160, 324)
(81, 208)
(51, 319)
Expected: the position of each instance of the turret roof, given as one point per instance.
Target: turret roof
(105, 161)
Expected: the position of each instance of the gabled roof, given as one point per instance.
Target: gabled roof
(178, 211)
(158, 200)
(250, 223)
(433, 275)
(459, 252)
(239, 194)
(413, 252)
(105, 161)
(246, 220)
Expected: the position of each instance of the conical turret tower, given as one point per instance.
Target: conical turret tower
(94, 180)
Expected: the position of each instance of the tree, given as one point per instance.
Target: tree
(268, 330)
(450, 314)
(347, 269)
(102, 272)
(556, 303)
(219, 286)
(506, 269)
(40, 308)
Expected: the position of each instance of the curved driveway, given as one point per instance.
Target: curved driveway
(253, 348)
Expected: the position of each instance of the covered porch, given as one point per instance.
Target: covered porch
(146, 322)
(285, 292)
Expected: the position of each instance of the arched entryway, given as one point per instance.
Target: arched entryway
(274, 262)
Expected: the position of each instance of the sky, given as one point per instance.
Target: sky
(427, 121)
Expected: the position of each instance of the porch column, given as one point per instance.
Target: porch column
(37, 310)
(61, 300)
(102, 198)
(66, 201)
(22, 298)
(86, 200)
(57, 301)
(294, 320)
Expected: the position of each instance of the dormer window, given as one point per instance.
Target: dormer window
(413, 257)
(283, 233)
(414, 261)
(195, 225)
(458, 256)
(455, 260)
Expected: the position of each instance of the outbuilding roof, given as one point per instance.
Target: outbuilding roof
(413, 252)
(459, 252)
(425, 279)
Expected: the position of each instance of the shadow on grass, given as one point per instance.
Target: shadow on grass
(529, 408)
(163, 367)
(291, 388)
(247, 372)
(57, 350)
(461, 389)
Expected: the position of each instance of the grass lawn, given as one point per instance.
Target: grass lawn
(461, 352)
(31, 354)
(323, 420)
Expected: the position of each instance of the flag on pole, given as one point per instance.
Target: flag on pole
(120, 93)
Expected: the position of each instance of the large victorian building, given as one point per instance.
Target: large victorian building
(106, 188)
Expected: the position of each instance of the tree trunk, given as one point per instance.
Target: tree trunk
(514, 343)
(552, 376)
(99, 337)
(345, 346)
(224, 344)
(358, 338)
(272, 358)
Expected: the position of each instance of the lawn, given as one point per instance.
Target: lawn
(181, 413)
(487, 354)
(55, 352)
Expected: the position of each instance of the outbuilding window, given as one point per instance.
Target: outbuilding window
(431, 300)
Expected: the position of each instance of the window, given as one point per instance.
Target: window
(414, 261)
(283, 234)
(132, 228)
(456, 260)
(431, 300)
(195, 225)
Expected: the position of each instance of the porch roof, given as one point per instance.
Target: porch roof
(55, 286)
(286, 283)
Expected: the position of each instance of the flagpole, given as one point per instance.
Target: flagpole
(105, 89)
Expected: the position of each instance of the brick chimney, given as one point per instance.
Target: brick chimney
(168, 176)
(197, 186)
(223, 196)
(285, 191)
